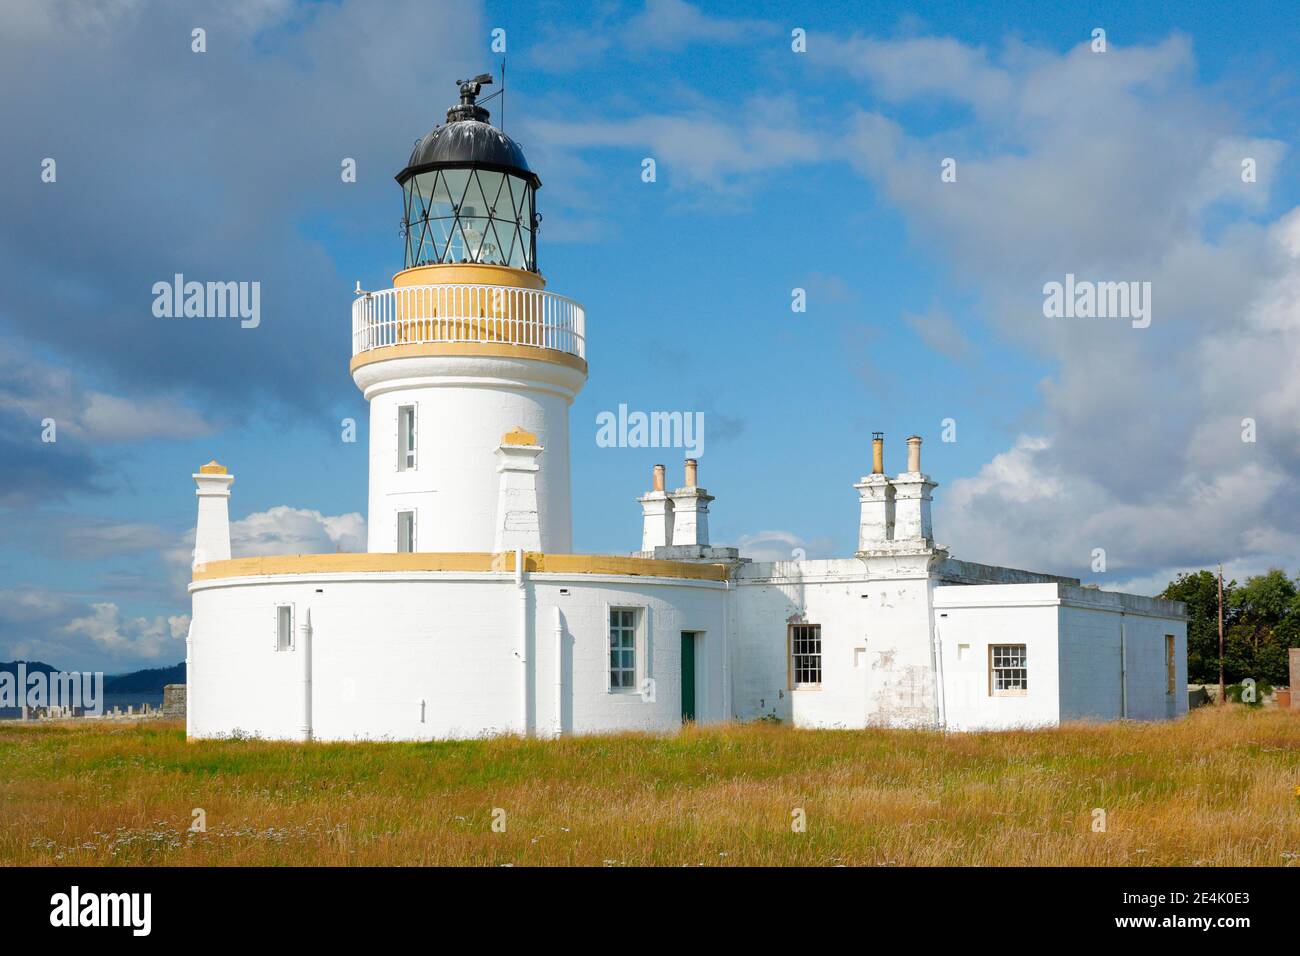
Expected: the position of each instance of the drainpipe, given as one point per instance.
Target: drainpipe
(726, 649)
(940, 699)
(1123, 669)
(522, 650)
(304, 652)
(559, 673)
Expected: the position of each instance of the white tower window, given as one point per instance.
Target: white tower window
(405, 532)
(406, 438)
(284, 627)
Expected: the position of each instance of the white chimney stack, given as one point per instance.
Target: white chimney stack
(656, 515)
(212, 529)
(691, 510)
(875, 501)
(912, 499)
(518, 522)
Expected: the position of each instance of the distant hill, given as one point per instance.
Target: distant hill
(146, 681)
(149, 681)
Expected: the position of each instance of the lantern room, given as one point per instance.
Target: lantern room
(469, 196)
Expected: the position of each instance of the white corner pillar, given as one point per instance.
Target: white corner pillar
(212, 529)
(690, 511)
(656, 515)
(912, 499)
(518, 522)
(875, 501)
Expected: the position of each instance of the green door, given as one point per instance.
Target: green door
(688, 676)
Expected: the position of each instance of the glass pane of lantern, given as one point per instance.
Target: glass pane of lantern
(421, 187)
(423, 242)
(474, 203)
(499, 239)
(491, 184)
(519, 252)
(438, 237)
(455, 181)
(456, 249)
(438, 199)
(475, 230)
(519, 190)
(526, 247)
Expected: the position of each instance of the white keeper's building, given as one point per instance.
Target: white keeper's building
(470, 615)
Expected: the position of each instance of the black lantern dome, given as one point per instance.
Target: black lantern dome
(468, 193)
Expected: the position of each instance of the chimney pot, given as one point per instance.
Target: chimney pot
(691, 466)
(659, 478)
(914, 454)
(877, 453)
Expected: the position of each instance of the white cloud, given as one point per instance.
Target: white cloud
(694, 148)
(285, 530)
(37, 391)
(939, 332)
(1113, 167)
(673, 24)
(137, 637)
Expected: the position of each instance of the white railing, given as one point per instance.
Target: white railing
(467, 313)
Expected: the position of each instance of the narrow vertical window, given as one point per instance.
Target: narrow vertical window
(284, 627)
(406, 438)
(622, 648)
(405, 532)
(805, 655)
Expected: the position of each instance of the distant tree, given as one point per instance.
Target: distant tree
(1264, 609)
(1199, 590)
(1261, 620)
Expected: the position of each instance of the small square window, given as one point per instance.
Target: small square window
(1008, 670)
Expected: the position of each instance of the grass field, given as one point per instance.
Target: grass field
(1219, 787)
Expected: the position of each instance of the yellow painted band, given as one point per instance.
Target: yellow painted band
(468, 273)
(534, 561)
(497, 349)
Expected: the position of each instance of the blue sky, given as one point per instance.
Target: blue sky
(776, 170)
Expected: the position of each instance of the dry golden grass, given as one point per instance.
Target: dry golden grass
(1219, 787)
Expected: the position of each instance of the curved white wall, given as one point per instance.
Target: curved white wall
(464, 404)
(427, 655)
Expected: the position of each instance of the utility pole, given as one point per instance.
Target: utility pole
(1223, 699)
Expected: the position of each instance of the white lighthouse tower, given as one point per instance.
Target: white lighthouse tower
(469, 365)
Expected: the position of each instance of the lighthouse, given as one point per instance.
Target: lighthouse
(470, 615)
(468, 362)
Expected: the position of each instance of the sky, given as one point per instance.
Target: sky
(780, 166)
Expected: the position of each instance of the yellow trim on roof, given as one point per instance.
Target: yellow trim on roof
(212, 468)
(534, 561)
(517, 436)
